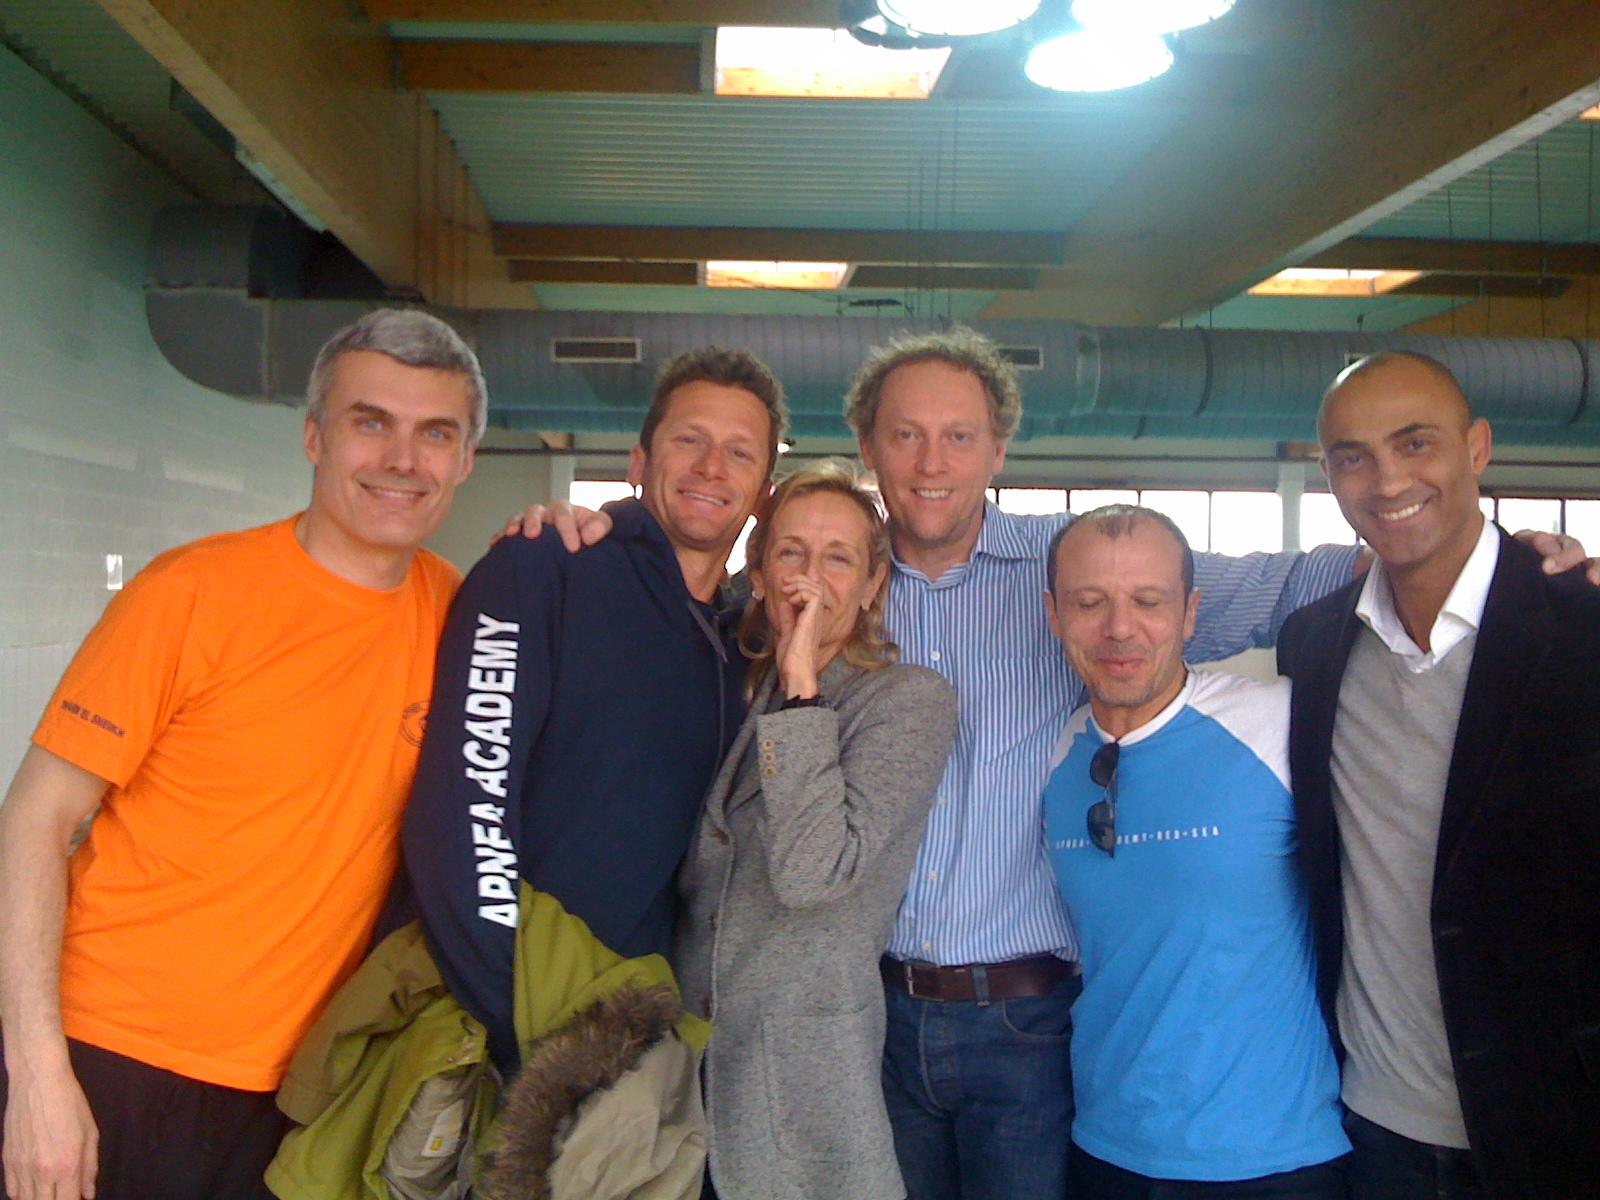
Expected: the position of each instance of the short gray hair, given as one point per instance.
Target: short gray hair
(410, 336)
(960, 347)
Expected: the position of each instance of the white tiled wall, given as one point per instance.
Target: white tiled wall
(104, 448)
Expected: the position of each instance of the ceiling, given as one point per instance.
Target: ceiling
(568, 154)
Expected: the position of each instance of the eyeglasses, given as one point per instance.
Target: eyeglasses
(1103, 813)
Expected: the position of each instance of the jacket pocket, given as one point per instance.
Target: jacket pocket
(824, 1097)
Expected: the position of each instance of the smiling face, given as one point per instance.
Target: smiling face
(823, 536)
(1121, 615)
(389, 452)
(1403, 457)
(934, 449)
(706, 466)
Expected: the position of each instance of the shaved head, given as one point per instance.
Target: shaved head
(1401, 369)
(1403, 454)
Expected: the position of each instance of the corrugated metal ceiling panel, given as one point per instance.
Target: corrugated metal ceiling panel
(790, 163)
(1546, 188)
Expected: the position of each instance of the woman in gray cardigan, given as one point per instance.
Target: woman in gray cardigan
(803, 853)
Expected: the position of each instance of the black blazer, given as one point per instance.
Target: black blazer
(1516, 886)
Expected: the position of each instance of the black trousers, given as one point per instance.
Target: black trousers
(1091, 1178)
(1387, 1166)
(167, 1137)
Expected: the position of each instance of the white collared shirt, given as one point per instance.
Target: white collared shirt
(1459, 618)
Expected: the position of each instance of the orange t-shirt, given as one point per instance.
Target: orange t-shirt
(259, 718)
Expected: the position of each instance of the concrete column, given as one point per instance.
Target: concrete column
(1291, 486)
(559, 472)
(500, 484)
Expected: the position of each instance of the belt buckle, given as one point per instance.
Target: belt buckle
(911, 978)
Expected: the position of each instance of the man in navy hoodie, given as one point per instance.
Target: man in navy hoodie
(582, 701)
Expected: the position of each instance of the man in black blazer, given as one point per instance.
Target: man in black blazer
(1446, 767)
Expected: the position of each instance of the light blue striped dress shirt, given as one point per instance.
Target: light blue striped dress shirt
(982, 891)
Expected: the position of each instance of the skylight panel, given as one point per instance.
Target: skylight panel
(1331, 281)
(820, 63)
(806, 276)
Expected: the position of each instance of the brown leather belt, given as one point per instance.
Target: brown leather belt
(1018, 979)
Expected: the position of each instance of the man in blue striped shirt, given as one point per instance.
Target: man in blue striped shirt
(981, 968)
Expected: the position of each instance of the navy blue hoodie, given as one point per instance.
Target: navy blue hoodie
(580, 707)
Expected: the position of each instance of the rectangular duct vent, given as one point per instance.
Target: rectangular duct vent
(1025, 358)
(596, 350)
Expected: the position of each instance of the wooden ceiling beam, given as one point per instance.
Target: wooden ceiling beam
(594, 67)
(309, 93)
(679, 274)
(954, 279)
(1573, 314)
(1451, 284)
(696, 244)
(1408, 97)
(819, 14)
(1470, 257)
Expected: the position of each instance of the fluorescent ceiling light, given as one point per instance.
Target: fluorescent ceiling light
(1097, 62)
(956, 18)
(1329, 281)
(820, 62)
(810, 276)
(1146, 16)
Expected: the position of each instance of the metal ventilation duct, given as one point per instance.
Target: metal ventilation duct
(230, 305)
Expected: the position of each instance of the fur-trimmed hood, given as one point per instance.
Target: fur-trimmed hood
(584, 1058)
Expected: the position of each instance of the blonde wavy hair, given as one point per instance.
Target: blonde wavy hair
(867, 646)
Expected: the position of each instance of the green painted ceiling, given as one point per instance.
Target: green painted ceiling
(1374, 314)
(1544, 190)
(839, 164)
(800, 163)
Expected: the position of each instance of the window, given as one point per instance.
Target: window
(592, 493)
(1238, 522)
(1031, 500)
(1190, 512)
(1245, 521)
(1249, 520)
(1082, 500)
(1583, 523)
(1577, 518)
(1544, 515)
(1321, 522)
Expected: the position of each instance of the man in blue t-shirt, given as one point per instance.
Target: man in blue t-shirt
(1199, 1052)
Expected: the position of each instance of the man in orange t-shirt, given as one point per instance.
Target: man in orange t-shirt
(246, 716)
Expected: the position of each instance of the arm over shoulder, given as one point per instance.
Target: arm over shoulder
(463, 822)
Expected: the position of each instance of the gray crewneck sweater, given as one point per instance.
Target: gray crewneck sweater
(1391, 758)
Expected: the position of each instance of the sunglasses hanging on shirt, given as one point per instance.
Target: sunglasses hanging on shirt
(1103, 813)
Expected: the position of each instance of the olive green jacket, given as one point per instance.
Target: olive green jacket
(396, 1101)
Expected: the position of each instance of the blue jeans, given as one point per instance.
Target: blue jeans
(1387, 1166)
(980, 1095)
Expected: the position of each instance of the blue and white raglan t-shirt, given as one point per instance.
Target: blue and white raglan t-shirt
(1198, 1051)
